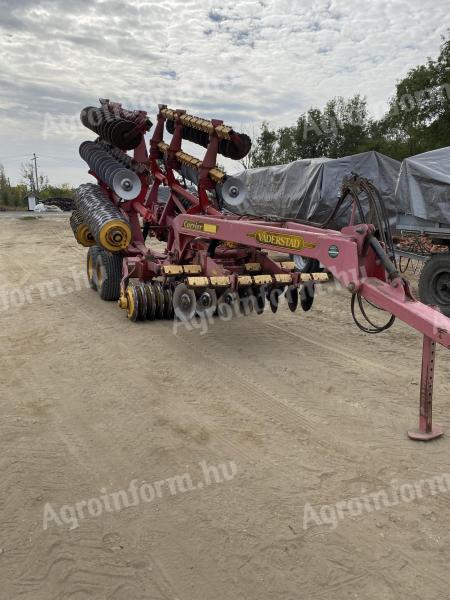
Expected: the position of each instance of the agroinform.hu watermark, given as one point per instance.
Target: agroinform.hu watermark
(137, 493)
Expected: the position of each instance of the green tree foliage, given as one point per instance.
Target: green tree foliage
(11, 196)
(264, 152)
(418, 120)
(16, 196)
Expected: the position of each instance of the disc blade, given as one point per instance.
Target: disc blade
(184, 302)
(168, 303)
(307, 297)
(206, 303)
(151, 302)
(142, 305)
(246, 302)
(260, 299)
(159, 294)
(227, 305)
(292, 297)
(274, 300)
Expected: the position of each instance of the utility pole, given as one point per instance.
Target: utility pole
(36, 171)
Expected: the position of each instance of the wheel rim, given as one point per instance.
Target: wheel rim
(90, 269)
(99, 273)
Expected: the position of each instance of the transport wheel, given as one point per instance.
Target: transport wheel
(91, 261)
(108, 273)
(434, 283)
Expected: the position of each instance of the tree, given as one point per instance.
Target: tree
(28, 175)
(5, 188)
(15, 196)
(418, 120)
(264, 152)
(341, 128)
(419, 113)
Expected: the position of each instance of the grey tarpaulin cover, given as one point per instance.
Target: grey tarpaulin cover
(309, 189)
(423, 188)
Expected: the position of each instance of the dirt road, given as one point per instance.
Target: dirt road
(242, 445)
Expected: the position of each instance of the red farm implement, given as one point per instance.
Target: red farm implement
(209, 260)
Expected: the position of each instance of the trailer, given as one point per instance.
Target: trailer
(423, 205)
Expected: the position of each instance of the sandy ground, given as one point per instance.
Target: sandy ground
(301, 409)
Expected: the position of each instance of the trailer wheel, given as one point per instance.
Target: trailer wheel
(108, 274)
(434, 282)
(91, 262)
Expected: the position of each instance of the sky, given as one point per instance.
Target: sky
(241, 61)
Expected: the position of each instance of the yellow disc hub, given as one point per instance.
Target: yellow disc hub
(115, 235)
(84, 236)
(123, 301)
(130, 307)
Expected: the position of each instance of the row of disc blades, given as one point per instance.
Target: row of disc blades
(117, 131)
(150, 301)
(124, 182)
(124, 159)
(235, 148)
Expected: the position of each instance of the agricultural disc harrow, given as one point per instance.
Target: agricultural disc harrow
(162, 244)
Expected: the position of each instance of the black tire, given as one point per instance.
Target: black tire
(434, 283)
(306, 265)
(109, 275)
(91, 266)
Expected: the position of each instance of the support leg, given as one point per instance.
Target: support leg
(427, 431)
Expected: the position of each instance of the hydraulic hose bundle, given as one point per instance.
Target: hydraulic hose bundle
(104, 220)
(123, 181)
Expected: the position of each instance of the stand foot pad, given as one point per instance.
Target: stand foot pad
(422, 436)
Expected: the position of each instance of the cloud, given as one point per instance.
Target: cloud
(244, 62)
